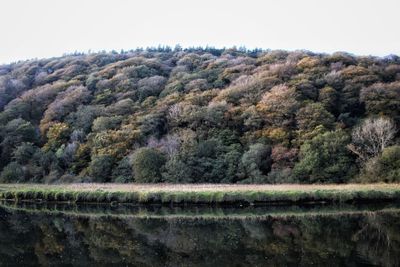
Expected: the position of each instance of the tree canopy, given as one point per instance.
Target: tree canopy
(199, 115)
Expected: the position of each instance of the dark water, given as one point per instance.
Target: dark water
(67, 235)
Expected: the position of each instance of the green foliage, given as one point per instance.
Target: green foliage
(325, 158)
(123, 172)
(12, 173)
(106, 123)
(382, 99)
(328, 98)
(256, 163)
(384, 168)
(313, 115)
(57, 135)
(390, 164)
(23, 153)
(153, 124)
(13, 134)
(100, 168)
(147, 164)
(84, 116)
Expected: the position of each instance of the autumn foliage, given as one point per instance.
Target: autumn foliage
(200, 115)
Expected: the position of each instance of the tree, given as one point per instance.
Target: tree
(9, 89)
(279, 105)
(64, 103)
(256, 163)
(328, 98)
(123, 171)
(283, 157)
(13, 134)
(390, 164)
(151, 86)
(371, 137)
(325, 159)
(178, 170)
(383, 168)
(100, 168)
(153, 124)
(23, 153)
(18, 131)
(84, 116)
(169, 144)
(12, 173)
(57, 135)
(382, 99)
(106, 123)
(147, 163)
(313, 115)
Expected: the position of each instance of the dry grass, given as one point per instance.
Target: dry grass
(88, 187)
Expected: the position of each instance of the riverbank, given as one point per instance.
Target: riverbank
(200, 194)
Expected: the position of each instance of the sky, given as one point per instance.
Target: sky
(48, 28)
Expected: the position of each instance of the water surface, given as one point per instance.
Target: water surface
(103, 235)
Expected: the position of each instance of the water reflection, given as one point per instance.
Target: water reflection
(87, 235)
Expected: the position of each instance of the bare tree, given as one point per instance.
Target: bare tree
(170, 144)
(175, 113)
(371, 137)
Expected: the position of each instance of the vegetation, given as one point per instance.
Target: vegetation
(201, 194)
(200, 115)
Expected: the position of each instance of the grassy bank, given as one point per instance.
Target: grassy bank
(200, 194)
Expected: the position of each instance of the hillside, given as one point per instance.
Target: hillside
(201, 115)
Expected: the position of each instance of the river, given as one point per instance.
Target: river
(104, 235)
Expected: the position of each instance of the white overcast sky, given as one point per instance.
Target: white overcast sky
(46, 28)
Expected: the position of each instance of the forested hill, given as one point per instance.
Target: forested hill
(201, 116)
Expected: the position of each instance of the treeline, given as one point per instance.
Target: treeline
(201, 115)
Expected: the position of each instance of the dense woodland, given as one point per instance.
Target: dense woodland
(201, 115)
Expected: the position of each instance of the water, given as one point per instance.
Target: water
(100, 235)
